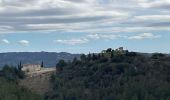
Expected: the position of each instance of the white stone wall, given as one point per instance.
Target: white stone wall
(31, 68)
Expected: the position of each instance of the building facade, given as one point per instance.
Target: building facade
(31, 67)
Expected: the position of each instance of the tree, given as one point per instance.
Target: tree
(134, 97)
(12, 73)
(89, 56)
(42, 64)
(112, 54)
(109, 50)
(99, 56)
(13, 91)
(94, 57)
(83, 57)
(158, 55)
(131, 54)
(60, 65)
(20, 66)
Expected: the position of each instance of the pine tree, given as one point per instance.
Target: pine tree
(89, 56)
(83, 57)
(94, 57)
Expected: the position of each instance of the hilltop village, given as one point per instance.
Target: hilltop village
(119, 50)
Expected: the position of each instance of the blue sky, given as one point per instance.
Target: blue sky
(83, 26)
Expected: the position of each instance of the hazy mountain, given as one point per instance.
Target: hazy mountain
(49, 58)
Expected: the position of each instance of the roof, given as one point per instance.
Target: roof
(31, 65)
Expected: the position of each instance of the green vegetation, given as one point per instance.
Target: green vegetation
(158, 56)
(9, 88)
(12, 73)
(11, 91)
(112, 75)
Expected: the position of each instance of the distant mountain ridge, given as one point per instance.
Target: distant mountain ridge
(49, 58)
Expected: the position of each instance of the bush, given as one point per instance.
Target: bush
(11, 91)
(12, 73)
(158, 55)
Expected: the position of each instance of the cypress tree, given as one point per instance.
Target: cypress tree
(20, 66)
(42, 64)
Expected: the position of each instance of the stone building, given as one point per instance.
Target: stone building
(103, 51)
(31, 68)
(120, 49)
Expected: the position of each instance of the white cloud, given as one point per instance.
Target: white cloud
(42, 12)
(123, 36)
(153, 17)
(110, 36)
(104, 36)
(4, 41)
(82, 15)
(94, 36)
(162, 4)
(24, 42)
(144, 36)
(72, 41)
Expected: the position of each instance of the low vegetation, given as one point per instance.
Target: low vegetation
(9, 88)
(12, 73)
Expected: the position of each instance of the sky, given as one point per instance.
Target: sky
(83, 26)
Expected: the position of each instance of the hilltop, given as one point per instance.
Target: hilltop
(113, 75)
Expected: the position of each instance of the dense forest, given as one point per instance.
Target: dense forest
(9, 88)
(112, 75)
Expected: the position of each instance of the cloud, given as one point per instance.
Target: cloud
(123, 36)
(4, 41)
(159, 4)
(72, 41)
(104, 36)
(24, 14)
(94, 36)
(24, 42)
(144, 36)
(153, 17)
(89, 16)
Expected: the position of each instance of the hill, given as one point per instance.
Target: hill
(38, 82)
(49, 58)
(113, 75)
